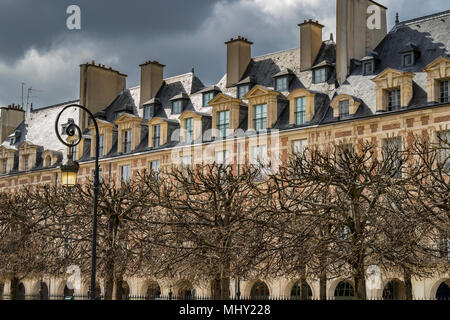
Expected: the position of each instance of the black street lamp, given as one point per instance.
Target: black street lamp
(69, 173)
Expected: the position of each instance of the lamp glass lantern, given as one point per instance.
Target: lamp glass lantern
(69, 172)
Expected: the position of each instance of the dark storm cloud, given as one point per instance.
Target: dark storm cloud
(31, 23)
(36, 47)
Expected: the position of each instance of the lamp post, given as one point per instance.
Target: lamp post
(69, 173)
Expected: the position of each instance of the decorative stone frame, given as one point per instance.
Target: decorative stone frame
(53, 158)
(353, 104)
(27, 149)
(126, 122)
(261, 95)
(391, 79)
(300, 93)
(224, 102)
(79, 147)
(436, 71)
(197, 123)
(163, 133)
(106, 130)
(8, 156)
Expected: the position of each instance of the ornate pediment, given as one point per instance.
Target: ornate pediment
(258, 91)
(222, 98)
(389, 77)
(439, 68)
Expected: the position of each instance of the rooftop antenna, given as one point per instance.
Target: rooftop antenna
(23, 85)
(29, 95)
(397, 18)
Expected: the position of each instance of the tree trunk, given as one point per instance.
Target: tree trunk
(119, 288)
(360, 282)
(408, 285)
(323, 286)
(14, 288)
(109, 283)
(225, 288)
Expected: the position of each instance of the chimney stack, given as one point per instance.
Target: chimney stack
(99, 86)
(354, 38)
(310, 43)
(151, 80)
(239, 54)
(10, 118)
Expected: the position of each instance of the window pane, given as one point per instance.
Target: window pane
(156, 138)
(177, 107)
(221, 157)
(281, 84)
(444, 149)
(207, 97)
(443, 91)
(300, 111)
(242, 91)
(260, 118)
(125, 173)
(344, 108)
(394, 99)
(223, 122)
(391, 145)
(298, 146)
(407, 59)
(127, 141)
(319, 75)
(189, 124)
(101, 144)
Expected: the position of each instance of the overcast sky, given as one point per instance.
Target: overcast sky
(37, 48)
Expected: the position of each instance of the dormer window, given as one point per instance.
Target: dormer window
(177, 107)
(223, 122)
(443, 91)
(410, 53)
(408, 59)
(320, 75)
(300, 111)
(26, 164)
(101, 144)
(126, 141)
(189, 126)
(344, 108)
(281, 84)
(156, 136)
(149, 112)
(4, 166)
(368, 67)
(394, 99)
(243, 90)
(207, 97)
(260, 120)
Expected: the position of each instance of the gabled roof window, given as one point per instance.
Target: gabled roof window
(322, 72)
(283, 79)
(208, 94)
(244, 86)
(151, 108)
(410, 54)
(178, 103)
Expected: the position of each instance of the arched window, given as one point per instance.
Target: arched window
(344, 291)
(296, 291)
(153, 291)
(443, 292)
(260, 291)
(394, 290)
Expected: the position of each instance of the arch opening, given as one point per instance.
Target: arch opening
(443, 291)
(260, 291)
(344, 291)
(297, 291)
(153, 291)
(394, 290)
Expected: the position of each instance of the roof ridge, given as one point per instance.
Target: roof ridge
(272, 53)
(426, 18)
